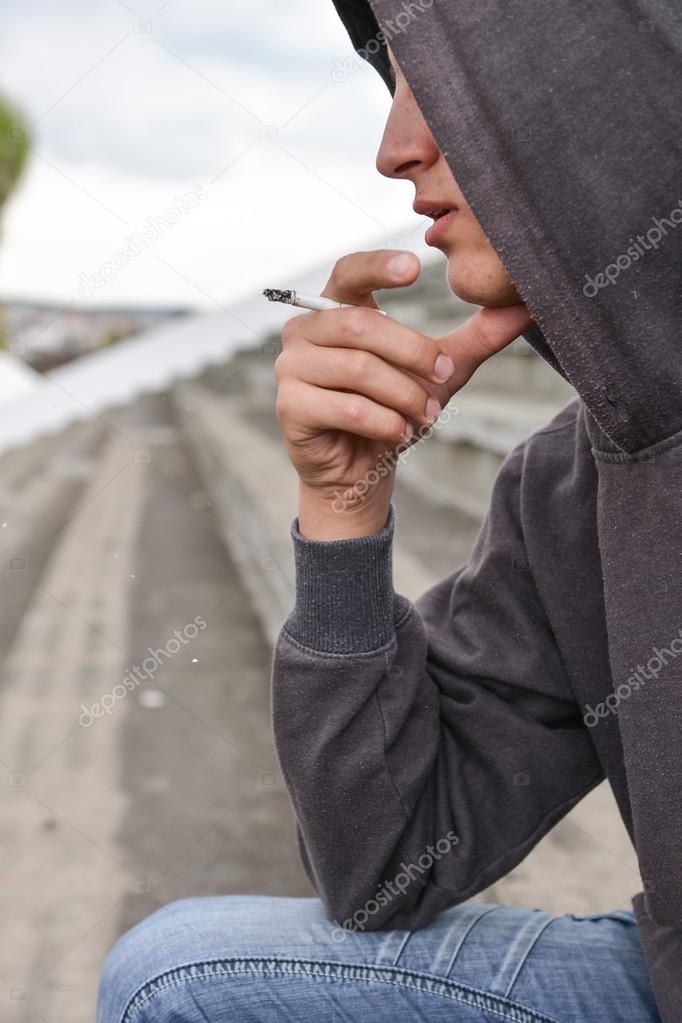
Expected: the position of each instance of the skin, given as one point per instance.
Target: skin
(409, 152)
(351, 384)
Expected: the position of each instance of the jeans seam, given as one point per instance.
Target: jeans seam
(403, 945)
(525, 957)
(424, 983)
(467, 931)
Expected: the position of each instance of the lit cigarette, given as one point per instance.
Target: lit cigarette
(316, 302)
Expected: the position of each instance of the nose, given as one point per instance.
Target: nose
(407, 146)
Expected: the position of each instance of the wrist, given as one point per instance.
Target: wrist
(325, 516)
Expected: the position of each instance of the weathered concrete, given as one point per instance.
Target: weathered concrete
(107, 819)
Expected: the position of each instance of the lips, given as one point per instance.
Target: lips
(433, 208)
(438, 231)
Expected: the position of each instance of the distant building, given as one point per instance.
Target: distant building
(47, 335)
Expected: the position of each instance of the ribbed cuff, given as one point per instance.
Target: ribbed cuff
(345, 602)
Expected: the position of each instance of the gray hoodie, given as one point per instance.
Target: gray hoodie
(399, 724)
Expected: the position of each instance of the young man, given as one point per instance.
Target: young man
(401, 727)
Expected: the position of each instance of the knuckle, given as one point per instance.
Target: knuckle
(354, 410)
(287, 332)
(344, 264)
(280, 365)
(340, 272)
(283, 405)
(393, 425)
(346, 272)
(353, 323)
(361, 364)
(291, 328)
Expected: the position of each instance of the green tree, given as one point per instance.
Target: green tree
(13, 150)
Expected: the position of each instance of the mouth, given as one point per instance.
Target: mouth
(435, 209)
(442, 215)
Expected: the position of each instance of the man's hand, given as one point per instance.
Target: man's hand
(353, 386)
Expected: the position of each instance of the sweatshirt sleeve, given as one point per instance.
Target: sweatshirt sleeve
(426, 746)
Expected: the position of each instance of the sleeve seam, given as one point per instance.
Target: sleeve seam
(384, 735)
(335, 655)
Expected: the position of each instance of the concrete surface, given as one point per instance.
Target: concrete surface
(105, 820)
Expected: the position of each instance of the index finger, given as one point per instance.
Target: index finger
(392, 341)
(357, 275)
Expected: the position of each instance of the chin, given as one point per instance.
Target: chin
(482, 285)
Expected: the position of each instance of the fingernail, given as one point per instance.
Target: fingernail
(444, 367)
(433, 409)
(400, 264)
(408, 431)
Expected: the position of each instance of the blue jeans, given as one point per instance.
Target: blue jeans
(257, 959)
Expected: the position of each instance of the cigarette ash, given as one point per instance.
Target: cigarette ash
(276, 295)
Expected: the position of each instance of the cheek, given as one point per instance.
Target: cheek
(473, 239)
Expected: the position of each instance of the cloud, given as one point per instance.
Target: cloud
(133, 103)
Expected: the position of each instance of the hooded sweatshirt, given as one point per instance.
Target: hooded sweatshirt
(400, 725)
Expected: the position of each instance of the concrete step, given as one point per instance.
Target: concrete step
(117, 797)
(586, 864)
(41, 487)
(61, 877)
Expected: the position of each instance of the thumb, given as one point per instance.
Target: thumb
(356, 276)
(488, 331)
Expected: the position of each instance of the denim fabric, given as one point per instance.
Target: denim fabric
(257, 959)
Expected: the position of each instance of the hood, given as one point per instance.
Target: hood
(560, 123)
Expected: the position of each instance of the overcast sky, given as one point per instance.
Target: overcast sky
(136, 107)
